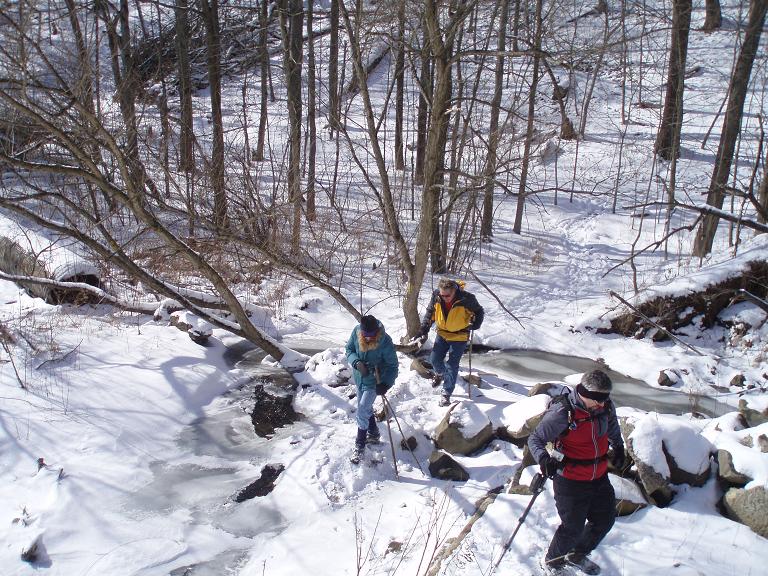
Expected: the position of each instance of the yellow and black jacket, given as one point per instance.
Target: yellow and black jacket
(454, 324)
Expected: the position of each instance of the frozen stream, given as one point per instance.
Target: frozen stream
(224, 455)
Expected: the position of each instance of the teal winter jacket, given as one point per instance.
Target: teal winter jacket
(379, 354)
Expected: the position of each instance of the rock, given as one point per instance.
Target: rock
(198, 330)
(629, 496)
(523, 416)
(753, 417)
(273, 407)
(263, 485)
(727, 474)
(36, 553)
(678, 475)
(444, 467)
(550, 388)
(738, 380)
(459, 431)
(409, 443)
(668, 378)
(421, 368)
(514, 486)
(748, 507)
(762, 441)
(656, 486)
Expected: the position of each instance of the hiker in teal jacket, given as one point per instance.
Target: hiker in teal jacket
(372, 356)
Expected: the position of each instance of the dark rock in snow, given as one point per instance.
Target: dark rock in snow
(444, 467)
(263, 485)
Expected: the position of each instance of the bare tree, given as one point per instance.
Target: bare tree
(668, 139)
(264, 72)
(737, 94)
(186, 136)
(522, 189)
(714, 18)
(399, 85)
(210, 10)
(486, 226)
(291, 26)
(311, 110)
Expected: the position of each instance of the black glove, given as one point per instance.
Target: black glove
(361, 367)
(619, 458)
(548, 466)
(381, 389)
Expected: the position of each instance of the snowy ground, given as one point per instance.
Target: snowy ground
(144, 438)
(145, 441)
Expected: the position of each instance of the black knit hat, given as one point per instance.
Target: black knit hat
(369, 326)
(595, 385)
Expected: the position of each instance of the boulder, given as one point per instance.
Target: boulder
(263, 485)
(443, 466)
(421, 368)
(668, 451)
(678, 475)
(549, 388)
(668, 378)
(748, 507)
(629, 496)
(463, 430)
(738, 380)
(273, 404)
(762, 441)
(753, 417)
(520, 419)
(656, 486)
(727, 474)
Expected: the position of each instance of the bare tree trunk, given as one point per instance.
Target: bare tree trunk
(486, 225)
(210, 10)
(522, 191)
(291, 19)
(762, 195)
(731, 125)
(264, 80)
(186, 135)
(311, 110)
(422, 118)
(668, 139)
(333, 67)
(400, 86)
(714, 18)
(127, 82)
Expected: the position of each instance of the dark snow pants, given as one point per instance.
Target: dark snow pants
(587, 512)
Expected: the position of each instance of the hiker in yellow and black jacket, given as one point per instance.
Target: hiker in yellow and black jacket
(455, 312)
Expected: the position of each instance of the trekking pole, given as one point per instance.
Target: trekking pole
(389, 426)
(537, 486)
(469, 378)
(388, 407)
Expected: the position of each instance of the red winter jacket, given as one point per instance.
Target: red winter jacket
(582, 438)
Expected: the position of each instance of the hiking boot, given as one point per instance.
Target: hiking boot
(580, 561)
(437, 379)
(357, 454)
(445, 400)
(373, 438)
(556, 567)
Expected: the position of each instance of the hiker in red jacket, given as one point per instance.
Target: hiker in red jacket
(581, 424)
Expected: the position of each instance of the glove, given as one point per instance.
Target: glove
(361, 367)
(548, 466)
(418, 340)
(381, 389)
(619, 458)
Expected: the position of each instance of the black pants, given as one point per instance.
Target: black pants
(587, 512)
